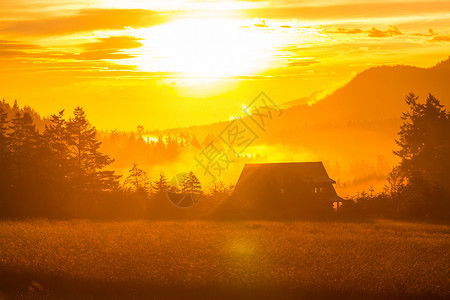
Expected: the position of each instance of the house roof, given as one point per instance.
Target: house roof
(311, 172)
(281, 190)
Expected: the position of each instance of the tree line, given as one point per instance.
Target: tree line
(59, 171)
(41, 172)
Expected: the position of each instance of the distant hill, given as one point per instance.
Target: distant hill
(374, 95)
(378, 93)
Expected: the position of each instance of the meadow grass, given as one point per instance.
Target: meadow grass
(153, 260)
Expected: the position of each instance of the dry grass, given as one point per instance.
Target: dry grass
(87, 259)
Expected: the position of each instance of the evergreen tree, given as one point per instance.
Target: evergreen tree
(55, 141)
(4, 127)
(190, 184)
(54, 159)
(161, 185)
(24, 141)
(4, 154)
(15, 108)
(25, 174)
(195, 143)
(86, 160)
(138, 178)
(424, 141)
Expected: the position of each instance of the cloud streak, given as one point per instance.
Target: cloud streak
(113, 43)
(301, 61)
(391, 31)
(102, 49)
(84, 21)
(373, 32)
(328, 10)
(345, 31)
(16, 49)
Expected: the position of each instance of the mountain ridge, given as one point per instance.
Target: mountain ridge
(375, 94)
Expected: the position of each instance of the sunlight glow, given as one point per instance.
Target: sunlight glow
(149, 138)
(204, 48)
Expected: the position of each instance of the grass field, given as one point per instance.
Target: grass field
(153, 260)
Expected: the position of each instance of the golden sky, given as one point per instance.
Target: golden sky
(174, 63)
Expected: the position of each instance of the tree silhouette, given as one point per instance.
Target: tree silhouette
(41, 174)
(4, 152)
(24, 141)
(86, 160)
(161, 185)
(195, 143)
(395, 182)
(138, 178)
(424, 141)
(55, 140)
(190, 184)
(4, 127)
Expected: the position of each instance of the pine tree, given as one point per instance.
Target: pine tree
(190, 184)
(195, 143)
(86, 160)
(5, 165)
(4, 127)
(55, 141)
(161, 185)
(138, 178)
(424, 141)
(15, 108)
(24, 141)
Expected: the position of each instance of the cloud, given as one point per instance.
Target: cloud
(328, 10)
(14, 45)
(14, 48)
(345, 31)
(101, 49)
(113, 43)
(97, 55)
(373, 32)
(84, 20)
(435, 37)
(391, 31)
(107, 48)
(430, 33)
(441, 38)
(260, 22)
(301, 61)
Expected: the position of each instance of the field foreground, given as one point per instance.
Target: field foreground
(88, 259)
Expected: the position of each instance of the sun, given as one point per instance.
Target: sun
(203, 48)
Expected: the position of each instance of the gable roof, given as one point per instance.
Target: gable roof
(281, 190)
(310, 172)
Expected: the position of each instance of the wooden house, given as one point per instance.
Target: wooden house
(284, 190)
